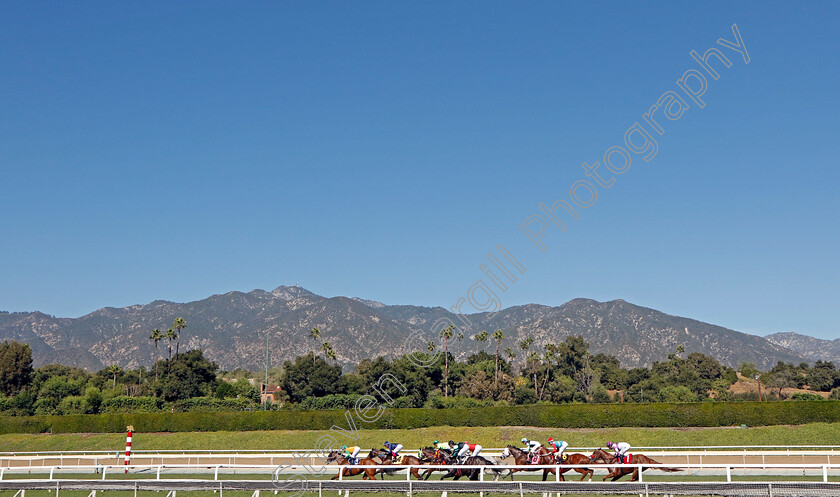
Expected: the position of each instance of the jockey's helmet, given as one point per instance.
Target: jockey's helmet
(550, 439)
(451, 442)
(436, 442)
(610, 444)
(343, 447)
(524, 440)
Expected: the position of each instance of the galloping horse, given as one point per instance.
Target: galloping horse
(574, 459)
(384, 455)
(366, 466)
(522, 458)
(473, 473)
(617, 472)
(433, 455)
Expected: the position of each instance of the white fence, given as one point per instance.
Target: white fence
(815, 470)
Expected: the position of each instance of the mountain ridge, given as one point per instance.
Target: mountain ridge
(232, 329)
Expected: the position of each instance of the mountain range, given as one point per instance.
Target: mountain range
(233, 328)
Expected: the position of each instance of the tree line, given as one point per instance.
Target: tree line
(560, 372)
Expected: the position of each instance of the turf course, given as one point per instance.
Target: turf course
(813, 434)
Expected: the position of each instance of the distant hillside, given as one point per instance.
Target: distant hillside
(808, 346)
(232, 330)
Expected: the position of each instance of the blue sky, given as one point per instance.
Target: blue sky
(382, 149)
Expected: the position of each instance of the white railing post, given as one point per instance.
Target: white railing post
(216, 472)
(825, 474)
(728, 474)
(641, 470)
(158, 472)
(104, 471)
(52, 470)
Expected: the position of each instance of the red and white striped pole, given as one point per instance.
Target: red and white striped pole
(129, 429)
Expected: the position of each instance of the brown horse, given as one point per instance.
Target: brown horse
(384, 455)
(574, 459)
(617, 472)
(366, 466)
(435, 456)
(522, 458)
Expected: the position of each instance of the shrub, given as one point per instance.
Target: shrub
(207, 404)
(72, 405)
(677, 393)
(332, 401)
(123, 404)
(806, 396)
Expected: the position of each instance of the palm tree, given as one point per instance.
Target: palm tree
(447, 334)
(328, 351)
(431, 346)
(482, 337)
(511, 355)
(169, 336)
(525, 344)
(178, 325)
(549, 356)
(315, 335)
(156, 336)
(498, 336)
(114, 370)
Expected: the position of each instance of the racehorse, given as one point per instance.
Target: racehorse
(384, 455)
(617, 472)
(574, 459)
(366, 466)
(474, 473)
(433, 455)
(522, 458)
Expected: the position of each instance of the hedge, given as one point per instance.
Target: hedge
(124, 404)
(560, 416)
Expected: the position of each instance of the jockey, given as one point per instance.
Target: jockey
(559, 447)
(531, 446)
(620, 449)
(351, 453)
(458, 449)
(394, 448)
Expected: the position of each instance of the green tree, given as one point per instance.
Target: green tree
(156, 336)
(328, 351)
(178, 325)
(677, 393)
(530, 360)
(748, 370)
(224, 390)
(498, 336)
(822, 377)
(114, 370)
(446, 334)
(190, 375)
(169, 336)
(315, 335)
(54, 390)
(310, 377)
(15, 367)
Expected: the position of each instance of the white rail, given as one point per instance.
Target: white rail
(275, 470)
(650, 448)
